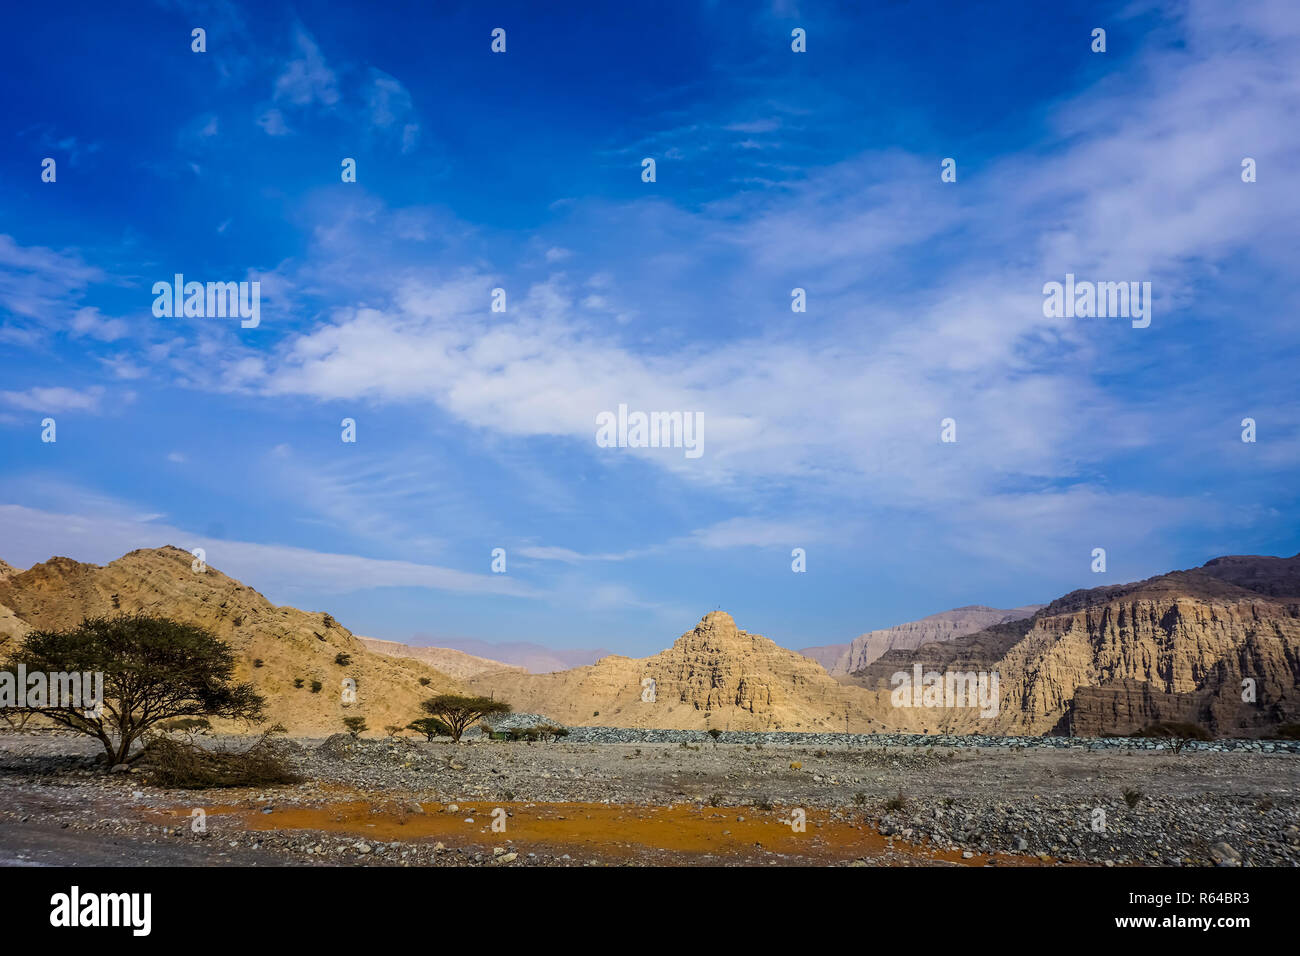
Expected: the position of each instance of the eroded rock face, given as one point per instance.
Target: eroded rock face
(1113, 660)
(841, 659)
(290, 644)
(714, 676)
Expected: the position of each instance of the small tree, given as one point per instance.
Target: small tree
(459, 712)
(1179, 733)
(715, 733)
(356, 725)
(154, 668)
(429, 726)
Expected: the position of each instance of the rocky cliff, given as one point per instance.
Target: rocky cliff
(1176, 647)
(842, 659)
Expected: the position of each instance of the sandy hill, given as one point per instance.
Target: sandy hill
(1175, 647)
(451, 662)
(291, 645)
(715, 675)
(841, 659)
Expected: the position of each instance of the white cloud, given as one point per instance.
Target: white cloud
(56, 399)
(390, 108)
(273, 122)
(307, 79)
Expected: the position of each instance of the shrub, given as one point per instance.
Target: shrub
(1132, 797)
(342, 659)
(183, 764)
(424, 682)
(316, 686)
(1180, 733)
(896, 804)
(298, 682)
(186, 725)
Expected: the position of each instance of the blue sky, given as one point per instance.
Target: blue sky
(775, 170)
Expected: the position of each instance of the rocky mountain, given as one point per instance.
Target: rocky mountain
(840, 659)
(1113, 659)
(284, 652)
(451, 662)
(714, 676)
(1175, 647)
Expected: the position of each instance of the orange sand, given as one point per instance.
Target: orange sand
(683, 833)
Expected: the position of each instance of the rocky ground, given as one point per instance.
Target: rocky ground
(404, 802)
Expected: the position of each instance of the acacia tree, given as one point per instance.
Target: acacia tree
(459, 712)
(154, 669)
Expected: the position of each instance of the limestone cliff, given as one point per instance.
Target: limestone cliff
(1116, 658)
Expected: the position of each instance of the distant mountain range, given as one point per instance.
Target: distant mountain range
(1217, 645)
(535, 658)
(841, 659)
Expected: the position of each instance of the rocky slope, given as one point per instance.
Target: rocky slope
(1176, 647)
(714, 676)
(840, 659)
(451, 662)
(276, 646)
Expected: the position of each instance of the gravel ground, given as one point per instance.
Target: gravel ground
(1067, 804)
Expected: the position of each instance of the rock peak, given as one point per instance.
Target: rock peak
(715, 624)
